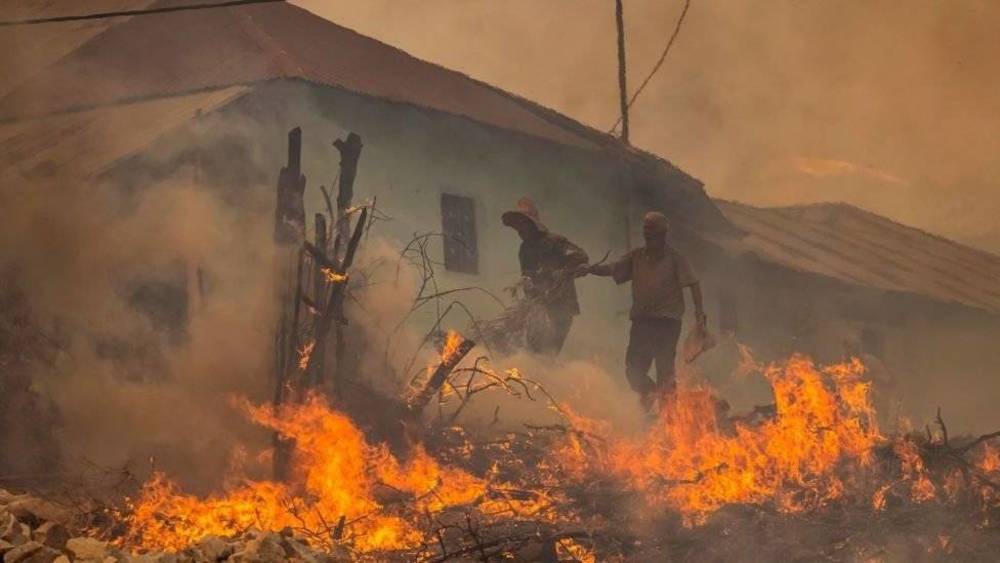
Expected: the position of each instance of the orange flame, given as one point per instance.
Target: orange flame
(989, 461)
(304, 353)
(878, 499)
(921, 487)
(336, 475)
(691, 460)
(575, 551)
(333, 277)
(691, 463)
(452, 341)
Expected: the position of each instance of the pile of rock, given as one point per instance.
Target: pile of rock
(36, 531)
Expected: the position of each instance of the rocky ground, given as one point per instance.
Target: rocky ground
(33, 530)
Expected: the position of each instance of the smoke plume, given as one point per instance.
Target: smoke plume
(899, 99)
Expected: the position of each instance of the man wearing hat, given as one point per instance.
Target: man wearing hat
(549, 263)
(658, 274)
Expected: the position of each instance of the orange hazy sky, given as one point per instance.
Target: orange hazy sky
(889, 105)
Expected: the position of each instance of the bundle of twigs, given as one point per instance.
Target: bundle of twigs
(507, 330)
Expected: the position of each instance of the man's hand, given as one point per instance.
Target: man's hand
(582, 270)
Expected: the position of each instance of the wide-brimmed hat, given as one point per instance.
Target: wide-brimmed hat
(525, 211)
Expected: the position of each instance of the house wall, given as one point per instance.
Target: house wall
(410, 157)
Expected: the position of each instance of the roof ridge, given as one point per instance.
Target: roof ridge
(276, 54)
(288, 66)
(536, 108)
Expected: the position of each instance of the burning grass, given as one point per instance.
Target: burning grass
(584, 492)
(338, 474)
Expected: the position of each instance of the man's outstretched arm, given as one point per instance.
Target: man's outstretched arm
(604, 269)
(620, 270)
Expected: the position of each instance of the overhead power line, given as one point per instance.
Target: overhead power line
(656, 67)
(141, 12)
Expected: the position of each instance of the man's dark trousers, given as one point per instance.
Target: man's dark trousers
(652, 340)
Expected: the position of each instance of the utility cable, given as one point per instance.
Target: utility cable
(659, 63)
(140, 12)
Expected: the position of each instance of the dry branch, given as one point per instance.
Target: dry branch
(439, 376)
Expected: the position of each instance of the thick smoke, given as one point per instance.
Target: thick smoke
(155, 321)
(159, 307)
(887, 105)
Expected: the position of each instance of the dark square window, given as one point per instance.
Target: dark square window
(458, 224)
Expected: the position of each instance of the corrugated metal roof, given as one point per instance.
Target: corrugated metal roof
(860, 247)
(168, 54)
(82, 144)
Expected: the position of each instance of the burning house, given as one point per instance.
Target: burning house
(207, 99)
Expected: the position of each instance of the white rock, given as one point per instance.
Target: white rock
(214, 548)
(265, 548)
(87, 549)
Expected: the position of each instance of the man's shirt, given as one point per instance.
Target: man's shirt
(548, 261)
(658, 279)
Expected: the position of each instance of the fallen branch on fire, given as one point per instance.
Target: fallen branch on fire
(454, 352)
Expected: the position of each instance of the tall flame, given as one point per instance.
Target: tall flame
(337, 473)
(693, 460)
(692, 463)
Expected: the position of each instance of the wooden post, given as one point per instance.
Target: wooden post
(334, 302)
(290, 211)
(319, 279)
(289, 234)
(319, 288)
(350, 153)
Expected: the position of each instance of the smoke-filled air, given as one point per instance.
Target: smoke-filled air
(475, 282)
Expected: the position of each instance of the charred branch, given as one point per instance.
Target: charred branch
(334, 303)
(440, 374)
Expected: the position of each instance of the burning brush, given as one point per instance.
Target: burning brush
(818, 467)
